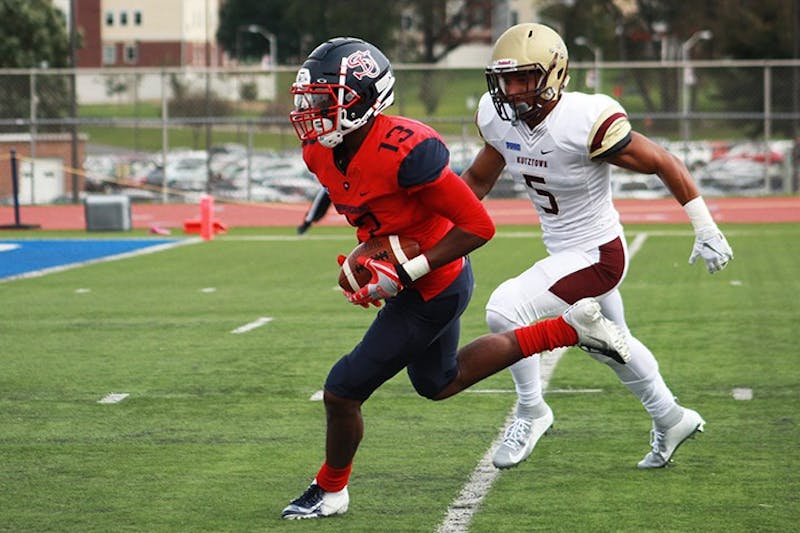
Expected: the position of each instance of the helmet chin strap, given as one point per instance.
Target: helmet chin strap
(331, 139)
(335, 137)
(328, 140)
(522, 107)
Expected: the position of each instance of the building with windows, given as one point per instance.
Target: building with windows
(146, 33)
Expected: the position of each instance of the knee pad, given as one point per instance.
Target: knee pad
(515, 304)
(498, 323)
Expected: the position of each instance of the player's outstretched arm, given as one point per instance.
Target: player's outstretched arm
(645, 156)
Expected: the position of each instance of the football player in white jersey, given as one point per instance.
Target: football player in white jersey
(560, 145)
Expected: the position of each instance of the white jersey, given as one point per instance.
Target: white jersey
(570, 190)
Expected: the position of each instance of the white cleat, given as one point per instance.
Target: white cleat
(316, 503)
(596, 333)
(520, 438)
(665, 442)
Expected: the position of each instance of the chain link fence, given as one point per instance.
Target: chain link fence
(173, 134)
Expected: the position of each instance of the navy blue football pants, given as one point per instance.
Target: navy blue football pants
(410, 333)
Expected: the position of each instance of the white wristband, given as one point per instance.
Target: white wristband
(699, 215)
(417, 267)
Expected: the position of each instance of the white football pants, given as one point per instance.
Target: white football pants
(525, 299)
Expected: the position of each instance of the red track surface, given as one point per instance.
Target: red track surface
(666, 211)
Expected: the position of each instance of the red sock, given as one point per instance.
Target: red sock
(333, 479)
(545, 335)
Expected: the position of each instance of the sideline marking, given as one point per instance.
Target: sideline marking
(462, 509)
(114, 397)
(550, 391)
(498, 235)
(253, 325)
(637, 244)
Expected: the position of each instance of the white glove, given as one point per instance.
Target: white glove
(709, 242)
(711, 245)
(385, 283)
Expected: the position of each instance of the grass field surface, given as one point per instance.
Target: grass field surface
(218, 431)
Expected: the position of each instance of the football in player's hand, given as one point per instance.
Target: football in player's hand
(391, 249)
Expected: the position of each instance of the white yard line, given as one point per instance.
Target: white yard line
(637, 244)
(742, 393)
(114, 397)
(463, 508)
(253, 325)
(549, 391)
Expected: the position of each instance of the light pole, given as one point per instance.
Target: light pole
(597, 52)
(660, 31)
(686, 80)
(270, 37)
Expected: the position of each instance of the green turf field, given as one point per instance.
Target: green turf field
(219, 433)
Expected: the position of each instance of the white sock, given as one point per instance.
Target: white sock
(527, 381)
(657, 400)
(642, 377)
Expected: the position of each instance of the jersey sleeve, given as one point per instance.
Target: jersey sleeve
(424, 163)
(592, 124)
(611, 131)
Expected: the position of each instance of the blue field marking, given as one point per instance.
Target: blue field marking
(32, 257)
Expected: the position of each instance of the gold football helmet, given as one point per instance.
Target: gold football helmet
(535, 57)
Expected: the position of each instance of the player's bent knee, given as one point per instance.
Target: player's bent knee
(427, 389)
(498, 323)
(431, 387)
(334, 401)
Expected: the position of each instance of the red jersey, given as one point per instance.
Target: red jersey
(399, 183)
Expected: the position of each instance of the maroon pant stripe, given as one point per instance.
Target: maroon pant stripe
(594, 280)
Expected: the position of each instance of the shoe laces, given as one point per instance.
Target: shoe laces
(657, 437)
(517, 433)
(310, 497)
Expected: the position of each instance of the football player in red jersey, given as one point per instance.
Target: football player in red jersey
(390, 175)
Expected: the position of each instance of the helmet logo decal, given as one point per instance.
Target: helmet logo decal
(303, 77)
(504, 63)
(363, 60)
